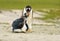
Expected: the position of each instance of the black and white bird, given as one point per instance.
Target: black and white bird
(25, 22)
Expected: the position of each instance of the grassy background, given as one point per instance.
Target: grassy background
(36, 5)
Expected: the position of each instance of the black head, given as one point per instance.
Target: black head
(28, 8)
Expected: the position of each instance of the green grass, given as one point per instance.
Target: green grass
(53, 14)
(36, 4)
(50, 15)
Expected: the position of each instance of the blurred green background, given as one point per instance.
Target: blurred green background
(36, 4)
(52, 5)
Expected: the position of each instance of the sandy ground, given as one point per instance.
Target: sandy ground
(43, 31)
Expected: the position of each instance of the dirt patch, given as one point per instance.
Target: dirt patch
(42, 31)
